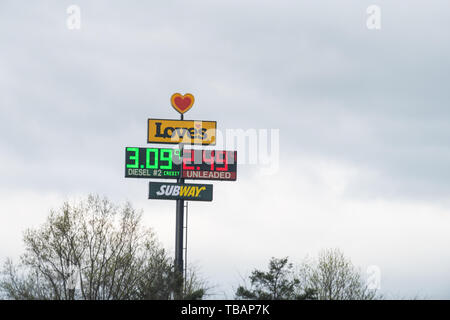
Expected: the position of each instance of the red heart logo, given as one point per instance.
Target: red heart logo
(182, 103)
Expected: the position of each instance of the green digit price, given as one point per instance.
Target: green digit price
(134, 157)
(148, 158)
(166, 155)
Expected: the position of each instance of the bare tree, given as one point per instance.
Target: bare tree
(333, 277)
(93, 250)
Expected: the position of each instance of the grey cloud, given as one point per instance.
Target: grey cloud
(313, 71)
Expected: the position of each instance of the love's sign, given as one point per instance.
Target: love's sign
(181, 131)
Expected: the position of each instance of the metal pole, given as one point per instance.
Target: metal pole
(186, 247)
(179, 233)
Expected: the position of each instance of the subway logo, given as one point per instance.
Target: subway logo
(178, 191)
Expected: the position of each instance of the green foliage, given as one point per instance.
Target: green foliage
(279, 283)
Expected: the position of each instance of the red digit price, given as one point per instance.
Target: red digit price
(209, 160)
(188, 158)
(222, 158)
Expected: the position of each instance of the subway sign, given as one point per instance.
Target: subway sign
(177, 191)
(181, 131)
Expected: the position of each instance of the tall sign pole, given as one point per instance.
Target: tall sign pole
(181, 104)
(179, 224)
(180, 164)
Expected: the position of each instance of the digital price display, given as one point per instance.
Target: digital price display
(167, 164)
(152, 163)
(209, 165)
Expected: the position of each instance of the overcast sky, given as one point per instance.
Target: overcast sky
(363, 118)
